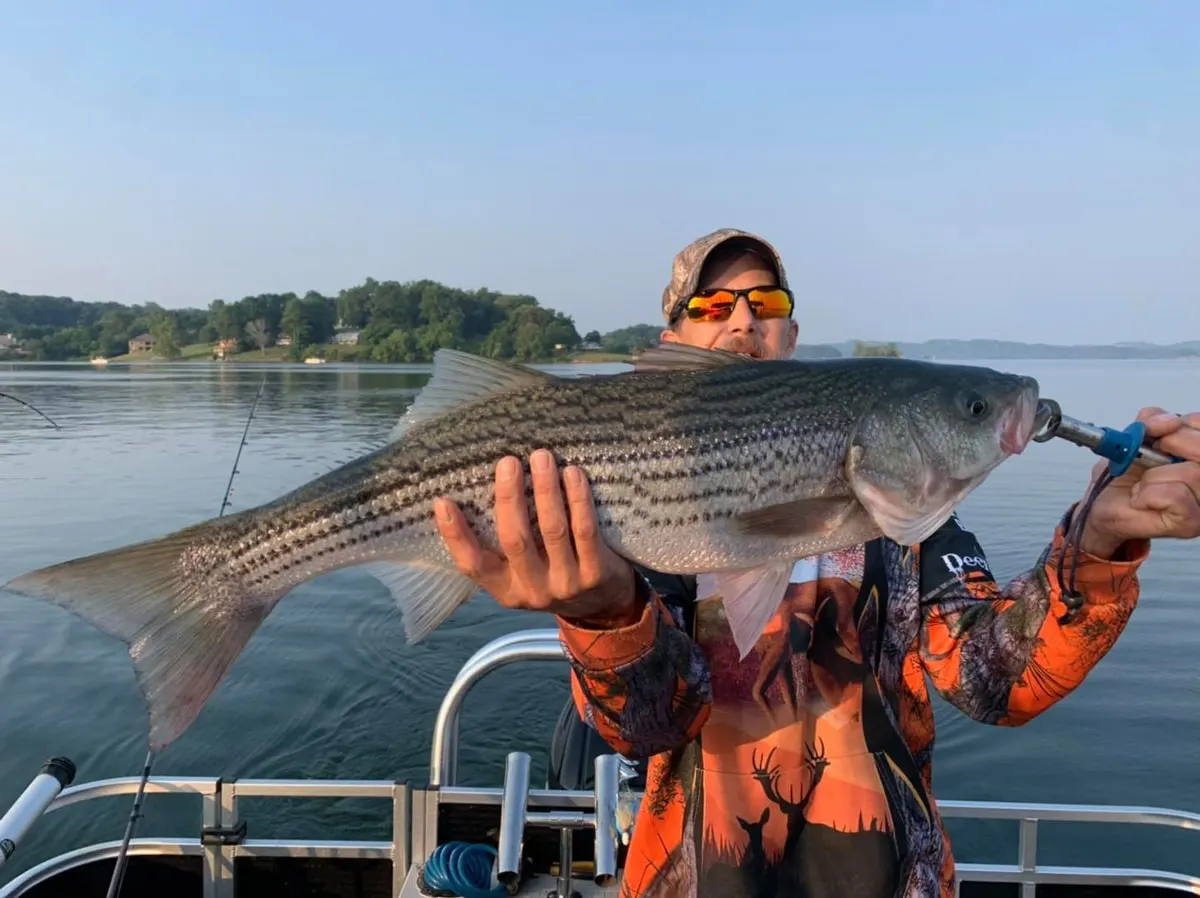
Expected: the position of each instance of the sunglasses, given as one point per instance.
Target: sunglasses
(717, 304)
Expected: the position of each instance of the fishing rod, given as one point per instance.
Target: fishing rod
(118, 875)
(1122, 448)
(30, 406)
(242, 445)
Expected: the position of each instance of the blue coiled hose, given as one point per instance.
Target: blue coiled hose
(464, 868)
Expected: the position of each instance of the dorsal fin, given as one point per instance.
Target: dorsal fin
(682, 357)
(459, 378)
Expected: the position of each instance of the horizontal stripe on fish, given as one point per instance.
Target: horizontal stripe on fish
(700, 462)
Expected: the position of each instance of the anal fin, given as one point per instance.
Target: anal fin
(426, 595)
(751, 598)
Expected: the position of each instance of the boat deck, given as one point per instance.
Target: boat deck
(533, 830)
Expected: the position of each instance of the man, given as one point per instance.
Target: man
(804, 769)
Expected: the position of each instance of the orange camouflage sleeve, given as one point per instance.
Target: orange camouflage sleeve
(1002, 655)
(644, 688)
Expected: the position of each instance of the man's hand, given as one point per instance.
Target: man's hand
(577, 576)
(1150, 503)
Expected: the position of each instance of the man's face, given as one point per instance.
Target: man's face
(741, 332)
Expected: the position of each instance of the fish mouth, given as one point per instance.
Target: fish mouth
(1017, 425)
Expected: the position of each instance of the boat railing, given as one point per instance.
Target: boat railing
(222, 835)
(415, 812)
(512, 648)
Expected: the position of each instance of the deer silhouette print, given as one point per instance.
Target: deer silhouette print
(755, 859)
(750, 877)
(793, 806)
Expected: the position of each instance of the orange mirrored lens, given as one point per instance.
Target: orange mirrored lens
(770, 303)
(717, 305)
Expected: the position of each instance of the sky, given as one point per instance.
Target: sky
(1024, 170)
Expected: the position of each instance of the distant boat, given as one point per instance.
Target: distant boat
(313, 360)
(100, 361)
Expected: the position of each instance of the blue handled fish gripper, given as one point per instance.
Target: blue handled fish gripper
(1122, 448)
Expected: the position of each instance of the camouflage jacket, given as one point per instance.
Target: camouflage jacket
(805, 769)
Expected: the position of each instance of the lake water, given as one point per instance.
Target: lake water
(329, 688)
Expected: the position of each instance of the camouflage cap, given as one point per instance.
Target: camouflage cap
(685, 270)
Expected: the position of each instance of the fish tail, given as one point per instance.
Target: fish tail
(185, 617)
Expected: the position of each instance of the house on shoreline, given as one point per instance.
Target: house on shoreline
(141, 343)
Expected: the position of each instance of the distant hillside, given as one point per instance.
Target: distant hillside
(1004, 349)
(968, 350)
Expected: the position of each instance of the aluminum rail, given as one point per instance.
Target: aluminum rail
(103, 851)
(524, 645)
(1029, 874)
(219, 812)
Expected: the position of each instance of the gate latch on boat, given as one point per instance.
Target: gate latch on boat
(224, 835)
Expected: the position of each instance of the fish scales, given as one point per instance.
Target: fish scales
(649, 438)
(702, 463)
(655, 451)
(713, 425)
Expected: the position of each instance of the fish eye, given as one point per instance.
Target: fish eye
(977, 406)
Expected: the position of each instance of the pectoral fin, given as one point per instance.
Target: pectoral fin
(751, 597)
(903, 526)
(804, 517)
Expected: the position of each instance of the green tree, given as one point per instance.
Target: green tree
(268, 306)
(294, 323)
(221, 316)
(888, 350)
(256, 330)
(166, 336)
(397, 346)
(352, 305)
(627, 339)
(320, 316)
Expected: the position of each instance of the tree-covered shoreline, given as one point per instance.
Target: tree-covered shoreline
(376, 321)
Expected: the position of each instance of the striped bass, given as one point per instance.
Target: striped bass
(700, 462)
